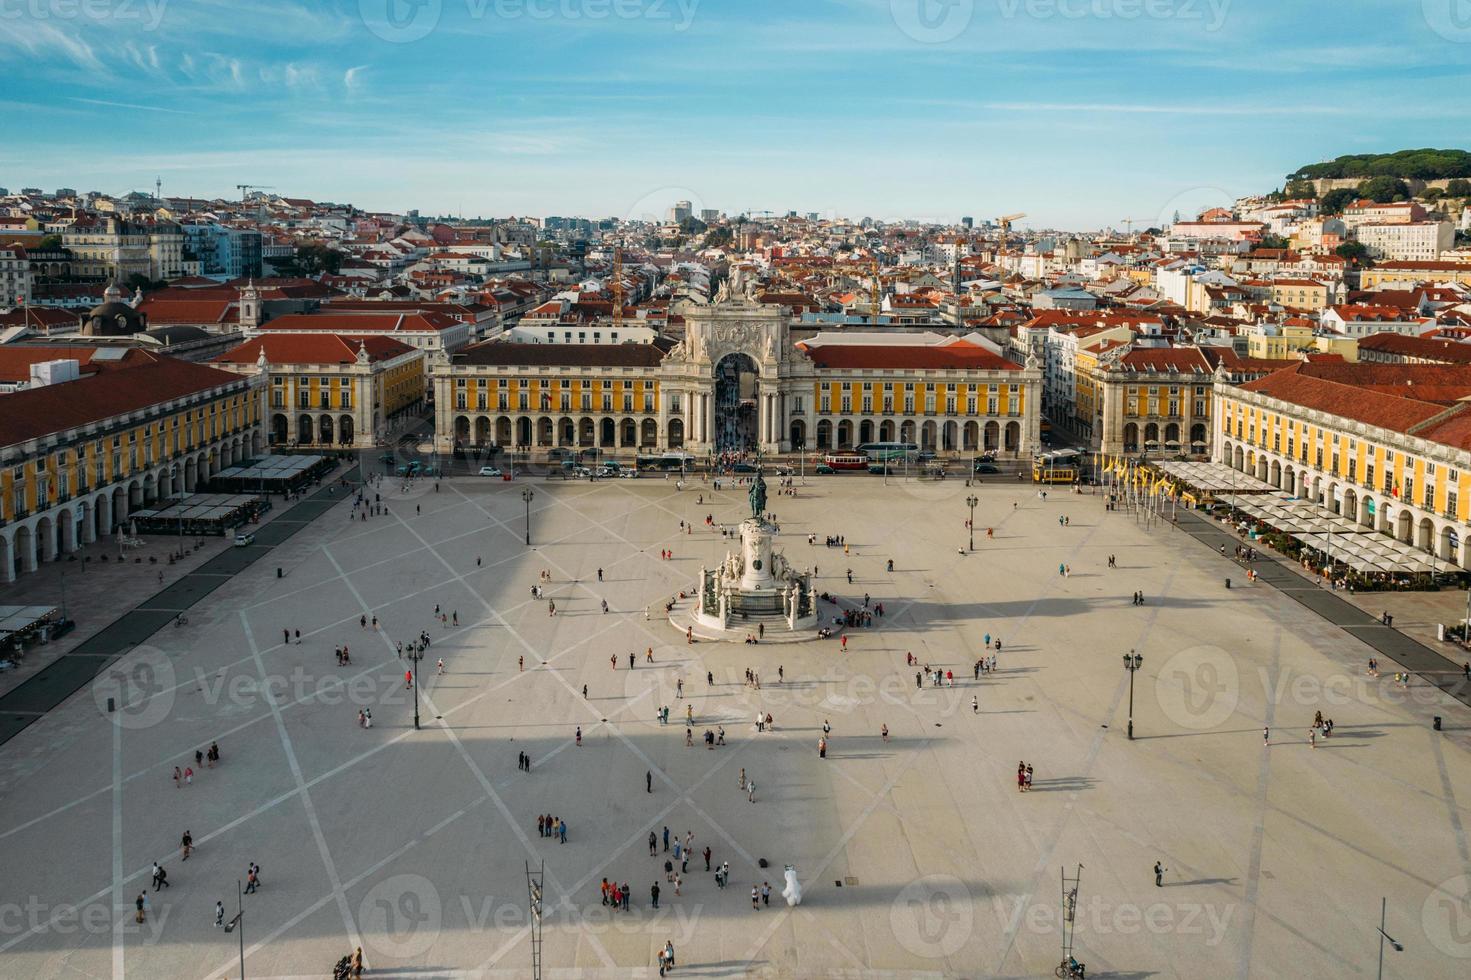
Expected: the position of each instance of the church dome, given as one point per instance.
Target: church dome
(113, 318)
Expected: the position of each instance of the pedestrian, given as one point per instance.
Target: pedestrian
(1159, 875)
(884, 732)
(141, 904)
(649, 788)
(408, 679)
(579, 736)
(975, 705)
(186, 844)
(755, 899)
(521, 663)
(178, 776)
(666, 837)
(219, 914)
(441, 666)
(706, 855)
(751, 791)
(1266, 735)
(653, 844)
(765, 893)
(654, 896)
(600, 578)
(189, 775)
(541, 831)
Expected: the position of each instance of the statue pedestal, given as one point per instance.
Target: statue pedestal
(756, 538)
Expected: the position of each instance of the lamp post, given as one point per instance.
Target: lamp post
(1132, 661)
(416, 654)
(237, 924)
(971, 502)
(527, 495)
(1399, 947)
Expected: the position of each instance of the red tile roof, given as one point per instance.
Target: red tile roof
(939, 357)
(36, 412)
(416, 322)
(1398, 397)
(16, 359)
(314, 348)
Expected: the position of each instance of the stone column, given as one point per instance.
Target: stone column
(700, 599)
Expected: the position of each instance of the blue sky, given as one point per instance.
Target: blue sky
(1080, 113)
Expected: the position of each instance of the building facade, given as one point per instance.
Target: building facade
(77, 456)
(1351, 439)
(330, 390)
(737, 383)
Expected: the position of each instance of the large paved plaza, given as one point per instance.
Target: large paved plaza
(917, 854)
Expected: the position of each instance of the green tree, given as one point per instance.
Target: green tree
(138, 281)
(1354, 252)
(1335, 201)
(1459, 187)
(310, 259)
(1298, 189)
(49, 243)
(1384, 189)
(1273, 241)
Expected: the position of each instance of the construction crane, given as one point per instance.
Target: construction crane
(1129, 224)
(617, 287)
(245, 189)
(1005, 221)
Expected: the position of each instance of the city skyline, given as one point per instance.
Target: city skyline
(1081, 114)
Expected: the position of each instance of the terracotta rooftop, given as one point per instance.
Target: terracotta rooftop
(314, 348)
(504, 353)
(939, 357)
(1398, 397)
(37, 412)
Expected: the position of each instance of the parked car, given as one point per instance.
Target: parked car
(823, 469)
(409, 469)
(743, 468)
(244, 539)
(387, 458)
(986, 468)
(490, 471)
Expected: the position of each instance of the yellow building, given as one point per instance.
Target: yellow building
(1385, 445)
(1384, 273)
(77, 455)
(1300, 294)
(735, 383)
(330, 389)
(1279, 342)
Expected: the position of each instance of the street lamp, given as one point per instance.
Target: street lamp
(971, 502)
(1132, 661)
(527, 496)
(1399, 947)
(237, 924)
(416, 654)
